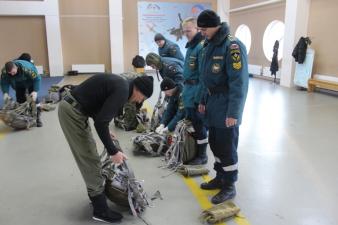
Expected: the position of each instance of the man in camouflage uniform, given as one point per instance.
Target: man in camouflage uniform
(167, 48)
(167, 67)
(22, 76)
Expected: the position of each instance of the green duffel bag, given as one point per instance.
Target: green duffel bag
(189, 148)
(19, 116)
(183, 147)
(131, 118)
(122, 187)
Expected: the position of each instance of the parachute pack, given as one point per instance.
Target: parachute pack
(131, 118)
(152, 144)
(122, 187)
(19, 116)
(183, 147)
(157, 112)
(55, 93)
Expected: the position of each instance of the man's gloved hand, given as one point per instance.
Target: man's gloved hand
(164, 130)
(6, 97)
(159, 129)
(34, 95)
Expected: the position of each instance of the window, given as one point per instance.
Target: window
(244, 35)
(273, 32)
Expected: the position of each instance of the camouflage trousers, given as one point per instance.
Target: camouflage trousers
(79, 136)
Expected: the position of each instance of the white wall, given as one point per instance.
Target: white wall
(296, 23)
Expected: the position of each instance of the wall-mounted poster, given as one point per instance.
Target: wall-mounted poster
(164, 18)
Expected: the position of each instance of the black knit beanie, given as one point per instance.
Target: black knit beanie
(159, 37)
(145, 84)
(208, 18)
(167, 84)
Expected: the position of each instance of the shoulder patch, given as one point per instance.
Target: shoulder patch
(234, 46)
(237, 66)
(236, 58)
(33, 74)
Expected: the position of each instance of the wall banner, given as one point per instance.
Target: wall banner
(164, 18)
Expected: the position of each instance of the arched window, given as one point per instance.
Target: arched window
(244, 35)
(273, 32)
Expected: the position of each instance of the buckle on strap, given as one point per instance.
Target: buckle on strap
(68, 98)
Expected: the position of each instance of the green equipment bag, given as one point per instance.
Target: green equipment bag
(55, 93)
(220, 212)
(121, 185)
(183, 147)
(192, 170)
(19, 116)
(8, 105)
(131, 117)
(152, 144)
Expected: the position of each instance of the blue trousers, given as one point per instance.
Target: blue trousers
(195, 117)
(223, 143)
(20, 93)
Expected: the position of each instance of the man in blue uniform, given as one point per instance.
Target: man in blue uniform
(225, 75)
(167, 67)
(22, 76)
(193, 87)
(175, 110)
(167, 48)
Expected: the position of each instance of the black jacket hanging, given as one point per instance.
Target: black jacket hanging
(274, 63)
(299, 52)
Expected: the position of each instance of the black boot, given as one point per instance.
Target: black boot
(38, 117)
(226, 193)
(102, 212)
(201, 157)
(215, 183)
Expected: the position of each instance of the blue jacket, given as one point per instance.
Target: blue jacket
(192, 92)
(174, 111)
(26, 76)
(172, 50)
(224, 67)
(173, 69)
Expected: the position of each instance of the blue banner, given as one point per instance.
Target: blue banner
(164, 18)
